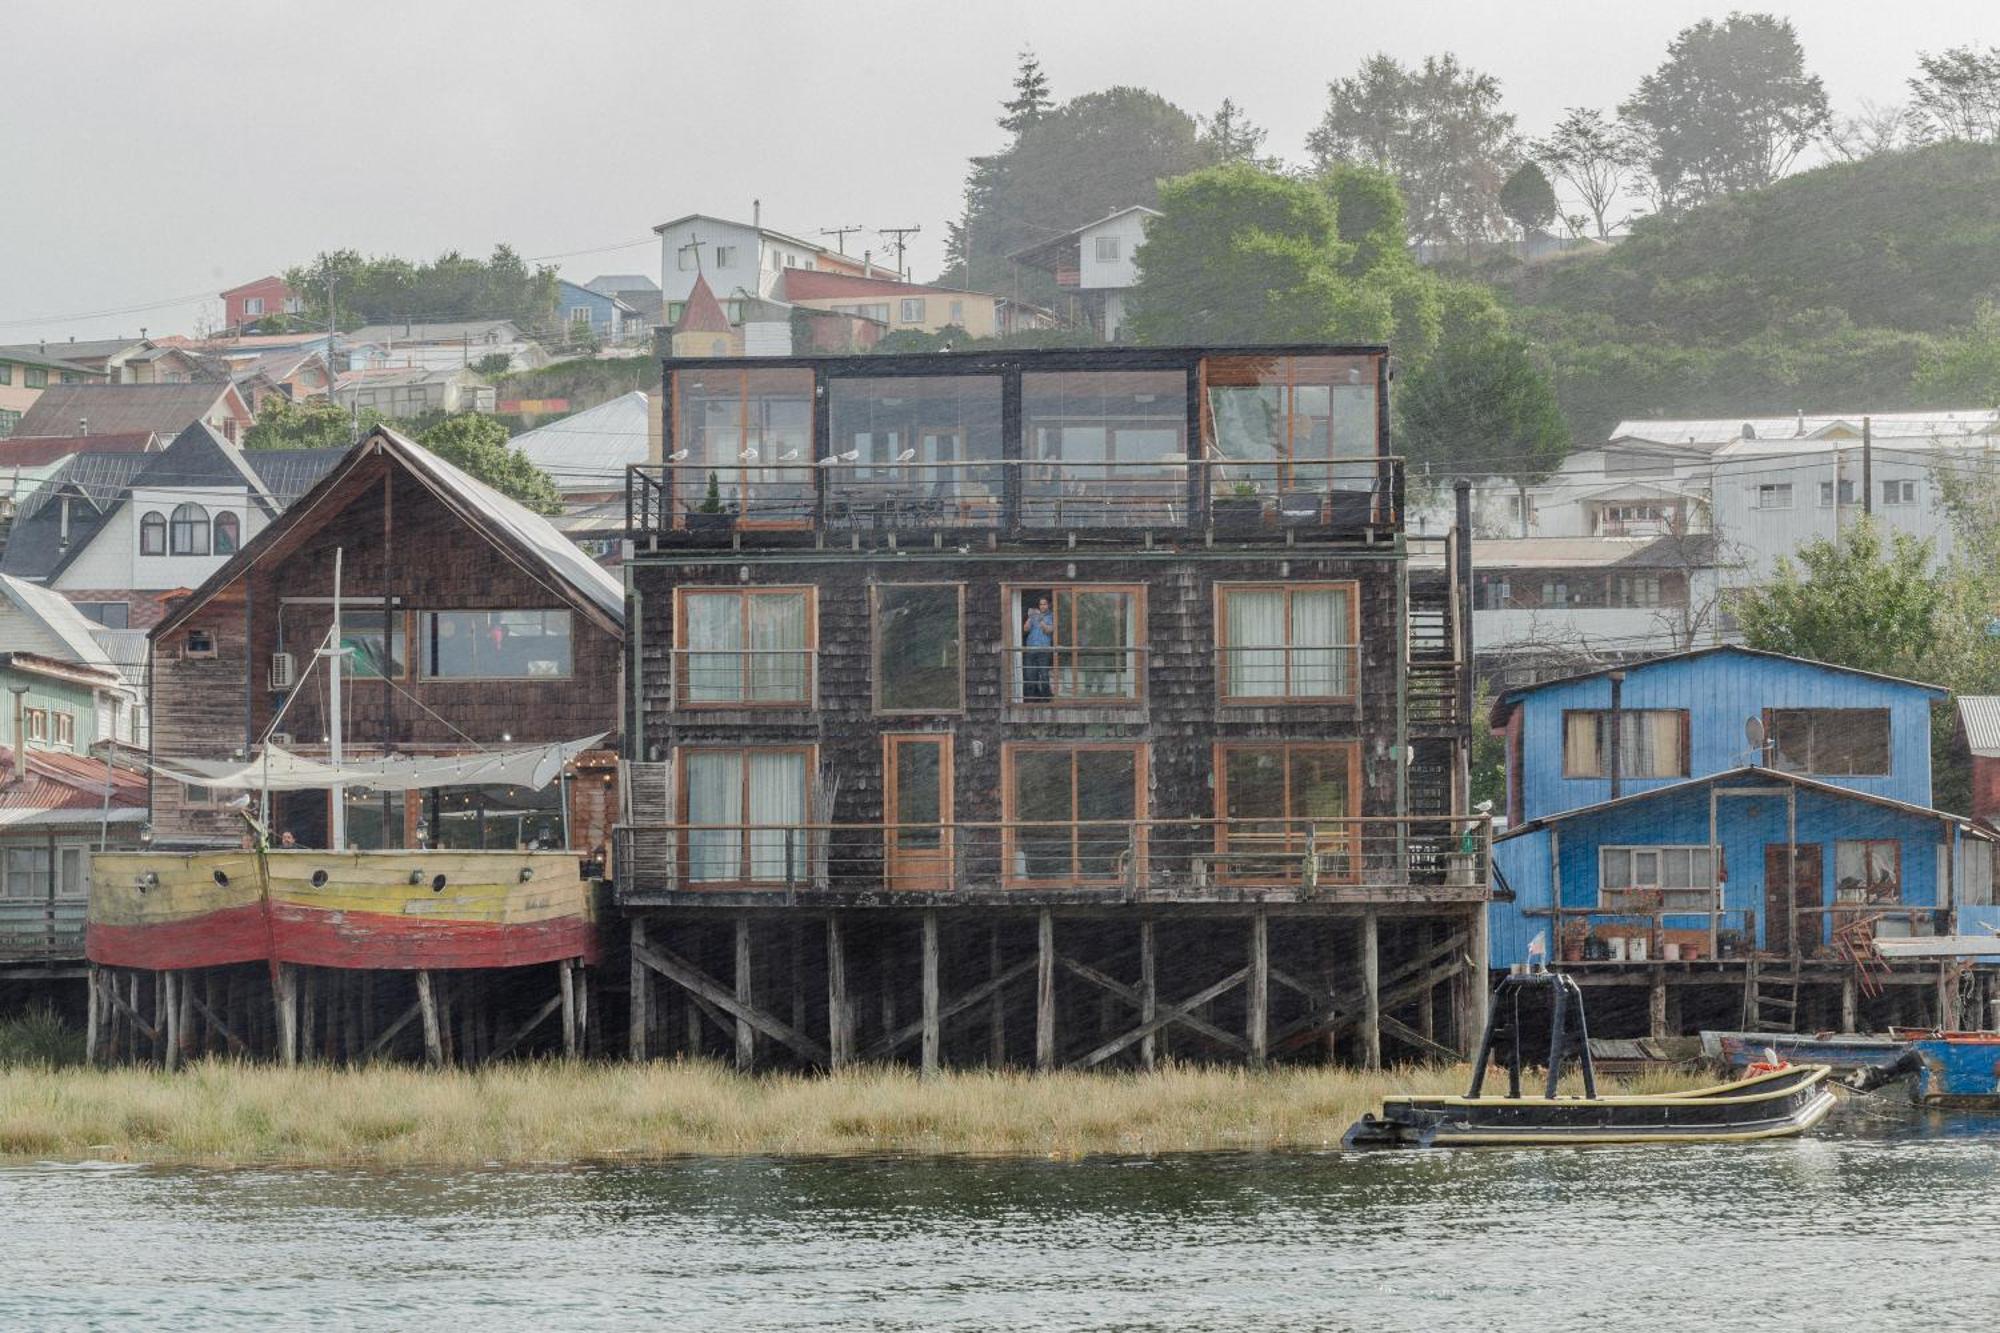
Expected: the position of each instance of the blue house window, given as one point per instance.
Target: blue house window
(1829, 742)
(1647, 879)
(1652, 743)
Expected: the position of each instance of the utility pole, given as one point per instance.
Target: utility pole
(899, 234)
(694, 244)
(1867, 468)
(840, 235)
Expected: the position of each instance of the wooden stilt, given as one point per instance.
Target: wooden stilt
(211, 986)
(1427, 1005)
(932, 1028)
(839, 1018)
(1472, 1019)
(427, 1003)
(92, 1014)
(996, 1012)
(1656, 1005)
(586, 1040)
(746, 1035)
(1258, 1021)
(170, 1055)
(308, 1010)
(1371, 991)
(1149, 993)
(566, 985)
(798, 976)
(284, 987)
(1045, 990)
(635, 1027)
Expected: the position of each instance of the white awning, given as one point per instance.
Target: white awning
(281, 770)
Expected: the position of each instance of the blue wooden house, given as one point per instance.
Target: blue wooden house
(1724, 803)
(607, 316)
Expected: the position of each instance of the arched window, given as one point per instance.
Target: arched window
(153, 534)
(227, 535)
(190, 530)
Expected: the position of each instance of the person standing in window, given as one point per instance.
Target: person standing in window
(1038, 631)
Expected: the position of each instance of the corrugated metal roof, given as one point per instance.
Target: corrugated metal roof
(1714, 432)
(591, 450)
(1979, 715)
(165, 408)
(59, 618)
(1504, 705)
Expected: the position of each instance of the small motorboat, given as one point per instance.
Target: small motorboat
(1769, 1103)
(1844, 1052)
(1948, 1071)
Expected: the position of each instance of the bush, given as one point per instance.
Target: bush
(39, 1037)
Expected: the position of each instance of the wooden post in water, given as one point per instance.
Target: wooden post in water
(566, 981)
(172, 1055)
(1149, 993)
(1258, 1025)
(93, 998)
(427, 1004)
(284, 997)
(1850, 999)
(1045, 990)
(839, 1018)
(932, 1027)
(996, 1013)
(1371, 990)
(746, 1036)
(635, 1028)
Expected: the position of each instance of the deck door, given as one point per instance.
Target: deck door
(917, 805)
(1779, 926)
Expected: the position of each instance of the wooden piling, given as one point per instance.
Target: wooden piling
(635, 1028)
(171, 1055)
(839, 1018)
(1045, 990)
(1656, 1005)
(566, 983)
(284, 996)
(996, 1011)
(1149, 993)
(427, 1004)
(746, 1036)
(1371, 990)
(1258, 1020)
(932, 1034)
(92, 1014)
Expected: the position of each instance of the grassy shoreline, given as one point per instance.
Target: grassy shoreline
(220, 1113)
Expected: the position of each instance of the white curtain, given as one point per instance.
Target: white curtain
(715, 798)
(1319, 642)
(777, 641)
(1583, 757)
(714, 622)
(777, 797)
(1256, 625)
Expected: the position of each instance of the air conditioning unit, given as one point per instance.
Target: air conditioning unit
(281, 739)
(282, 671)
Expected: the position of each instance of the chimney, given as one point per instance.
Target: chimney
(757, 213)
(867, 263)
(1802, 421)
(83, 425)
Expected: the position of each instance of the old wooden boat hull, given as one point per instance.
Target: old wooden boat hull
(1843, 1052)
(1958, 1071)
(1777, 1104)
(158, 910)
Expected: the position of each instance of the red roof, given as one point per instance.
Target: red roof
(702, 313)
(36, 450)
(61, 781)
(803, 284)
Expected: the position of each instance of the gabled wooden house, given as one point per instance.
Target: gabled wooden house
(1052, 707)
(432, 812)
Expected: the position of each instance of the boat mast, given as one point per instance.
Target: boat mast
(338, 821)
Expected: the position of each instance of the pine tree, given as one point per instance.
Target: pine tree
(1031, 96)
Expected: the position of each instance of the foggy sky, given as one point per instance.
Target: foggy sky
(159, 153)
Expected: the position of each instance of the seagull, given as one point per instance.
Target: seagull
(850, 455)
(829, 460)
(788, 455)
(749, 455)
(906, 455)
(677, 455)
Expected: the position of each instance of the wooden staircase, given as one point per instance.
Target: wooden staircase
(1855, 942)
(1770, 1000)
(1432, 654)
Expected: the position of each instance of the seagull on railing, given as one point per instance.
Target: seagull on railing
(749, 455)
(906, 455)
(788, 455)
(677, 455)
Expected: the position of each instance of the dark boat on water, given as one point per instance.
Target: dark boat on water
(1772, 1103)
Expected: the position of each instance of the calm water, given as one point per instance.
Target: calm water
(1882, 1222)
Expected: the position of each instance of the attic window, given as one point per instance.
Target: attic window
(200, 643)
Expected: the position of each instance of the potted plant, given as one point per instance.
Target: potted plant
(1242, 507)
(711, 515)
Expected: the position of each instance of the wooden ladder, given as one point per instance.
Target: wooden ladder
(1770, 1001)
(1855, 942)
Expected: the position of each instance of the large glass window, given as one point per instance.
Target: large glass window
(153, 534)
(1076, 644)
(744, 809)
(745, 646)
(485, 818)
(1652, 743)
(1292, 424)
(1071, 811)
(228, 534)
(1103, 447)
(496, 645)
(919, 642)
(24, 873)
(1287, 641)
(1270, 796)
(377, 647)
(751, 431)
(375, 819)
(189, 530)
(914, 449)
(1830, 742)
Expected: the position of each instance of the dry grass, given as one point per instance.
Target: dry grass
(227, 1114)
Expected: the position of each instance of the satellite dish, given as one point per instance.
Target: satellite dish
(1753, 731)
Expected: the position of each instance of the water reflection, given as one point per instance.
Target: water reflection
(1681, 1237)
